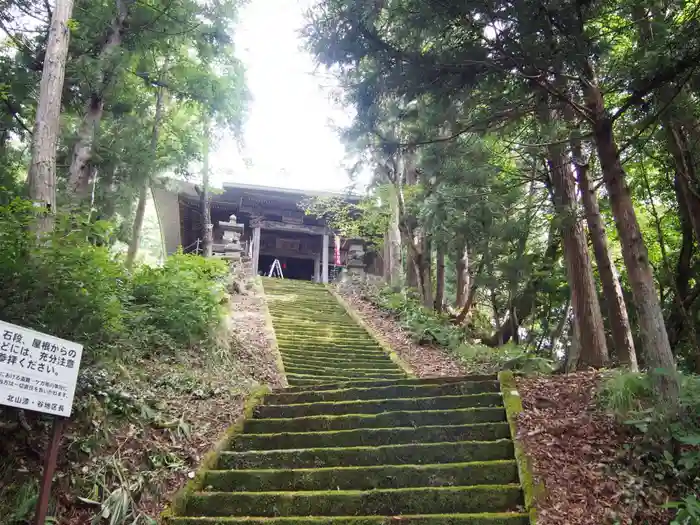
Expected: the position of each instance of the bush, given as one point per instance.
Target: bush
(182, 299)
(482, 359)
(665, 449)
(71, 286)
(62, 285)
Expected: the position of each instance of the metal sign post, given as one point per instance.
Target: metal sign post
(42, 504)
(39, 372)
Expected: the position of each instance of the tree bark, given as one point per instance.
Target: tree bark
(205, 198)
(394, 241)
(655, 344)
(145, 189)
(80, 169)
(440, 279)
(42, 168)
(614, 300)
(587, 315)
(462, 279)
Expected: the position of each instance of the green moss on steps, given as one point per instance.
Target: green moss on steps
(373, 437)
(305, 361)
(364, 478)
(420, 454)
(408, 418)
(532, 489)
(435, 519)
(377, 406)
(412, 381)
(346, 370)
(346, 503)
(379, 390)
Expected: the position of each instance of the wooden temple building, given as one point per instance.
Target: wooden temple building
(272, 224)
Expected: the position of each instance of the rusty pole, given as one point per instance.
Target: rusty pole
(42, 504)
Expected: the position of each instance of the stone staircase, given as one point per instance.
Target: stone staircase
(356, 441)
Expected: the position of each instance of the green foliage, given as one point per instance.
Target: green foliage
(666, 448)
(424, 325)
(68, 286)
(688, 510)
(183, 298)
(482, 359)
(366, 219)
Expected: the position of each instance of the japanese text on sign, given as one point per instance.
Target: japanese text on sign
(37, 371)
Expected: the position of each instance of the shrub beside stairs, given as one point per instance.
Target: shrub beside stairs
(356, 441)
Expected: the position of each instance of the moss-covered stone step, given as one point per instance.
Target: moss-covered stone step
(373, 437)
(319, 315)
(345, 371)
(301, 324)
(378, 390)
(325, 343)
(411, 454)
(377, 406)
(339, 373)
(360, 367)
(324, 335)
(300, 381)
(499, 472)
(380, 362)
(405, 418)
(296, 379)
(346, 503)
(509, 518)
(324, 351)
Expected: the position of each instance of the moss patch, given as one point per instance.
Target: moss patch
(377, 406)
(532, 490)
(435, 519)
(365, 478)
(408, 418)
(347, 503)
(420, 454)
(372, 437)
(381, 389)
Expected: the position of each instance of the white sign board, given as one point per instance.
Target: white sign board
(37, 371)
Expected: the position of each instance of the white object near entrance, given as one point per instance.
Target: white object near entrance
(276, 269)
(37, 371)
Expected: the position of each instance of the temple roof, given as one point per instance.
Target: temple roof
(233, 192)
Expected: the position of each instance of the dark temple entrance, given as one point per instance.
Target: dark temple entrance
(292, 267)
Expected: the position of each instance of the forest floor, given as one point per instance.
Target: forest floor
(144, 438)
(576, 449)
(425, 360)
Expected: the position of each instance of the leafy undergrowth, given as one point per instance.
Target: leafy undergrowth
(597, 466)
(141, 425)
(430, 343)
(426, 360)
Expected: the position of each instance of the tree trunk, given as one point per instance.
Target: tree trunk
(462, 279)
(80, 170)
(471, 296)
(205, 199)
(145, 189)
(579, 271)
(394, 244)
(42, 168)
(614, 300)
(655, 344)
(440, 279)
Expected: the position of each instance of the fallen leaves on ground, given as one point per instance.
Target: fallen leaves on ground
(207, 398)
(574, 447)
(425, 360)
